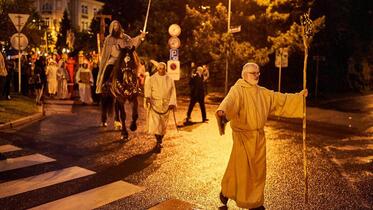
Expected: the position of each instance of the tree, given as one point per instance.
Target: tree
(65, 25)
(34, 28)
(266, 26)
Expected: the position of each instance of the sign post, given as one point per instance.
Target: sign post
(19, 21)
(281, 61)
(173, 65)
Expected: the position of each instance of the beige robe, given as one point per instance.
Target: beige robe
(85, 88)
(51, 72)
(162, 93)
(247, 107)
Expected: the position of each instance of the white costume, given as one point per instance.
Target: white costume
(162, 93)
(51, 73)
(84, 86)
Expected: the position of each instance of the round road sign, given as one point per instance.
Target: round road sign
(19, 41)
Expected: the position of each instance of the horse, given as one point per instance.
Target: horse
(123, 85)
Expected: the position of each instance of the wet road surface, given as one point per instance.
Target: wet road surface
(191, 163)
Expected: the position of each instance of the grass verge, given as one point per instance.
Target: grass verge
(16, 108)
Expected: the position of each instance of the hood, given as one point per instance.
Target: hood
(243, 83)
(112, 26)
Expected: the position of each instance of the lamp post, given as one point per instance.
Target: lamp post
(227, 57)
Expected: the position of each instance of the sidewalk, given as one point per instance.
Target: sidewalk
(353, 122)
(320, 117)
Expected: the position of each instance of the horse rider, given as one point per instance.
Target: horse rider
(113, 42)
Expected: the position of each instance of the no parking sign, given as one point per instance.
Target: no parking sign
(173, 69)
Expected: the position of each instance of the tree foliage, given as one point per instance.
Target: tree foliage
(65, 25)
(34, 28)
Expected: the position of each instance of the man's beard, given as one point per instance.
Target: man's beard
(251, 81)
(116, 34)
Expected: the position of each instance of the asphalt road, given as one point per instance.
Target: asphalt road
(191, 163)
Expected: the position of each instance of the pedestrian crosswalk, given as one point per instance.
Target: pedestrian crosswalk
(43, 180)
(89, 199)
(93, 198)
(9, 148)
(24, 161)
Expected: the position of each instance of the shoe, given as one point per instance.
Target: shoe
(104, 124)
(223, 199)
(133, 126)
(205, 120)
(124, 137)
(158, 148)
(187, 121)
(117, 125)
(8, 97)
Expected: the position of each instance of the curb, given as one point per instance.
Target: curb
(314, 124)
(24, 120)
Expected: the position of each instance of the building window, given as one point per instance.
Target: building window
(59, 4)
(47, 7)
(84, 26)
(84, 9)
(46, 22)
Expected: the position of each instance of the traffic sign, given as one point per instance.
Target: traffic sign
(19, 20)
(19, 41)
(174, 30)
(282, 57)
(174, 54)
(174, 42)
(173, 69)
(235, 29)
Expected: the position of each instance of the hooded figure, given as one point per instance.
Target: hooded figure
(160, 96)
(247, 107)
(113, 42)
(51, 73)
(84, 78)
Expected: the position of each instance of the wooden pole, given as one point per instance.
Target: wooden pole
(227, 57)
(305, 40)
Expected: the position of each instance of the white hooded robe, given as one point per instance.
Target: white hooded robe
(162, 93)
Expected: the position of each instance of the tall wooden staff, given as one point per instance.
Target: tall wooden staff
(307, 32)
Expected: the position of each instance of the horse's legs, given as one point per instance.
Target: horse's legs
(106, 99)
(117, 122)
(135, 114)
(122, 114)
(106, 102)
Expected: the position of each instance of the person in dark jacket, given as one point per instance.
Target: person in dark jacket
(40, 79)
(197, 94)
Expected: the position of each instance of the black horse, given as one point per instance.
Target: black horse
(123, 85)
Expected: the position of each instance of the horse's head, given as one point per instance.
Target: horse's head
(124, 78)
(127, 57)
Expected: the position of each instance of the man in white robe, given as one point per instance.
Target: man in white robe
(160, 96)
(84, 78)
(247, 107)
(51, 72)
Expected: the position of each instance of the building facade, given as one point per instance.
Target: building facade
(81, 12)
